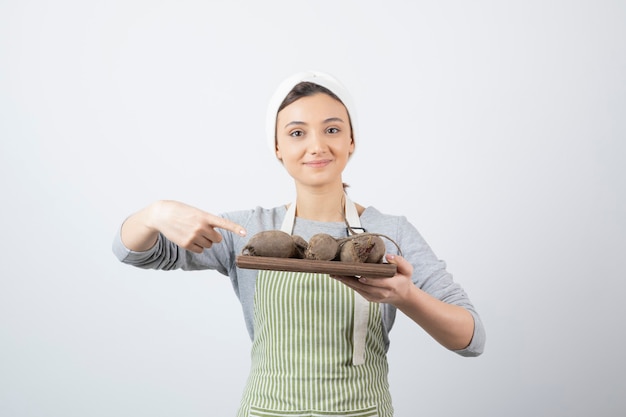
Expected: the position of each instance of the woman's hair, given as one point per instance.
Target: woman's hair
(305, 89)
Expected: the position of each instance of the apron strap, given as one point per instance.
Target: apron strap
(290, 219)
(361, 305)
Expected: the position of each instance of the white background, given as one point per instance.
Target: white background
(497, 128)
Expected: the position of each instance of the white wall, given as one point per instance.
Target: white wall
(498, 128)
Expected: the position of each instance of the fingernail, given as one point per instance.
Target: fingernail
(242, 232)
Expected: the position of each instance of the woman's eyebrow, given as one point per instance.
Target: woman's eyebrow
(329, 120)
(334, 119)
(295, 123)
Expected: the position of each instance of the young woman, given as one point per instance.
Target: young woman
(319, 342)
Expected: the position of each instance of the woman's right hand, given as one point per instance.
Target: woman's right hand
(186, 226)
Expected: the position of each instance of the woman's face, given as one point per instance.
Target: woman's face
(314, 140)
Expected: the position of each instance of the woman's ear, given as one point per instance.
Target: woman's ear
(278, 154)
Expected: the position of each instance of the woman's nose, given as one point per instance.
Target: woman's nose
(317, 144)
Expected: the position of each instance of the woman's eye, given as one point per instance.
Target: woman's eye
(332, 130)
(296, 133)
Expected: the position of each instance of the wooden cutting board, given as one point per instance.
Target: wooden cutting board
(368, 270)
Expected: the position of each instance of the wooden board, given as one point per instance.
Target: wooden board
(322, 267)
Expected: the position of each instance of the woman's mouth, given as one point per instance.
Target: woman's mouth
(318, 163)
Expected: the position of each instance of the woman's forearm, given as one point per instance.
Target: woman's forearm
(452, 326)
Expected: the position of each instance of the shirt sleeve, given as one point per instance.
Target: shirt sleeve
(430, 275)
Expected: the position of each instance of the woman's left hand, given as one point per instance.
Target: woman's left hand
(450, 325)
(390, 290)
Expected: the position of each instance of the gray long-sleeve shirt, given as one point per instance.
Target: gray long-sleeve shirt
(429, 272)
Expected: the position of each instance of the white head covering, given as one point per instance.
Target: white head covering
(316, 77)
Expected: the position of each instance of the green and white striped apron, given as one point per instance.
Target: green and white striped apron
(318, 348)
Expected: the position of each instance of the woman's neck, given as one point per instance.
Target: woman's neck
(321, 205)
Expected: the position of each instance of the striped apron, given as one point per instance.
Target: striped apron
(318, 348)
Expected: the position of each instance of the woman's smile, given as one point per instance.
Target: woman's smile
(318, 163)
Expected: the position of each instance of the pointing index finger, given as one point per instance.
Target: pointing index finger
(226, 224)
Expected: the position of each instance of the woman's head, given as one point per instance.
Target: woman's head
(314, 140)
(302, 85)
